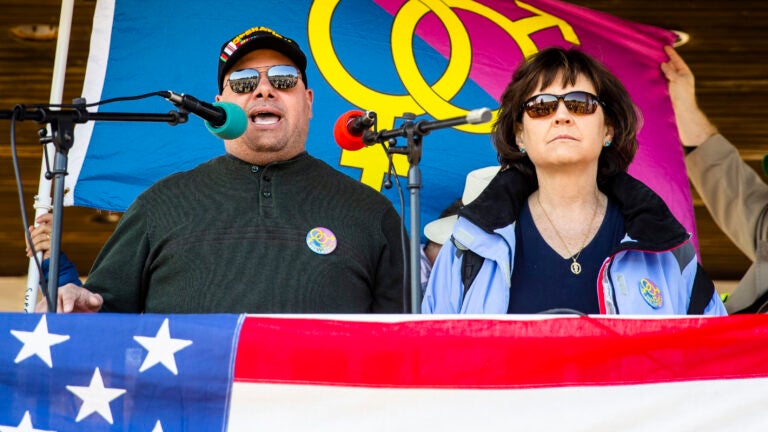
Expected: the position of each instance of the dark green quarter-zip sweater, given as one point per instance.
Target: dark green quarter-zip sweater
(231, 237)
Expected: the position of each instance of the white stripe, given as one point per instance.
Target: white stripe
(733, 405)
(93, 85)
(230, 49)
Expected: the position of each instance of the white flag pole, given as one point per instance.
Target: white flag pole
(43, 197)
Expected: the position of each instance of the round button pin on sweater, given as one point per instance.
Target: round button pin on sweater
(321, 241)
(651, 293)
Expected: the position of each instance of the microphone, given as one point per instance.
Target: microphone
(355, 139)
(350, 127)
(226, 120)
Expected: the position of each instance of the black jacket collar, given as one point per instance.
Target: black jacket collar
(647, 219)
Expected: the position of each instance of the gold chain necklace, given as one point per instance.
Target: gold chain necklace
(575, 266)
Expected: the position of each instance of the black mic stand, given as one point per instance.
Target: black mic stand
(63, 135)
(413, 133)
(413, 152)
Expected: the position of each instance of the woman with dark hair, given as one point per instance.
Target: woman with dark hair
(562, 227)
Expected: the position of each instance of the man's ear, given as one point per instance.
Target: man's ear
(310, 100)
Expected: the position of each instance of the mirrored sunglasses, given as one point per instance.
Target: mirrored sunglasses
(577, 102)
(281, 77)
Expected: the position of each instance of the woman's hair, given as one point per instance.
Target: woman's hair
(541, 70)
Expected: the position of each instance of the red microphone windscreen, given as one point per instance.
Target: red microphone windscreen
(344, 138)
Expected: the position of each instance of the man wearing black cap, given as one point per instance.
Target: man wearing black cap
(265, 228)
(260, 61)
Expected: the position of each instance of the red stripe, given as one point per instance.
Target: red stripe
(490, 353)
(600, 281)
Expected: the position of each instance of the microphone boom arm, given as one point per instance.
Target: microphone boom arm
(81, 115)
(424, 127)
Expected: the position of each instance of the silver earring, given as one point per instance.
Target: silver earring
(522, 150)
(608, 143)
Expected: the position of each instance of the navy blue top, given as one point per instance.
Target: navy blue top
(67, 270)
(542, 279)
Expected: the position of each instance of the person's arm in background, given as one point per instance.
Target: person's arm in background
(41, 239)
(692, 124)
(733, 192)
(72, 296)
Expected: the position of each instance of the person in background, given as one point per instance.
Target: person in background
(41, 239)
(439, 230)
(437, 233)
(562, 227)
(265, 228)
(735, 195)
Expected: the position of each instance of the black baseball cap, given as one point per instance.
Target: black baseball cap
(257, 38)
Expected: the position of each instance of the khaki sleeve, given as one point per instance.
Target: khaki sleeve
(732, 191)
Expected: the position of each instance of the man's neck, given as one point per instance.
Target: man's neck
(264, 159)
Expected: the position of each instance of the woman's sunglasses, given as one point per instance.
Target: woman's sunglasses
(282, 77)
(577, 102)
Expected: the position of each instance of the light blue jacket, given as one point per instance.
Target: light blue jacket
(654, 271)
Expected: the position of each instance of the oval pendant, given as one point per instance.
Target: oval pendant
(575, 268)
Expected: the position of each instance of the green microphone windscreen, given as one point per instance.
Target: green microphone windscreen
(235, 124)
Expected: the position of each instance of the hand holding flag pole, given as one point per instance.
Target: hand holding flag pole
(353, 132)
